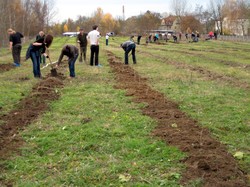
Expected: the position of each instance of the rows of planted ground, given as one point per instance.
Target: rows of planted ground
(214, 93)
(206, 158)
(95, 135)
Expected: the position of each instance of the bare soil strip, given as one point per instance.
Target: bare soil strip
(206, 73)
(6, 67)
(207, 159)
(27, 111)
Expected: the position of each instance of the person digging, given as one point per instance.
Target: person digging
(72, 53)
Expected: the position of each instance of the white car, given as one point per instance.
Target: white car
(111, 34)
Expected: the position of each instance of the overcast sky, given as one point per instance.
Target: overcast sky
(72, 8)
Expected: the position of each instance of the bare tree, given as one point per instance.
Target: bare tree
(205, 18)
(217, 13)
(237, 13)
(180, 9)
(3, 21)
(49, 13)
(97, 17)
(243, 14)
(10, 11)
(26, 16)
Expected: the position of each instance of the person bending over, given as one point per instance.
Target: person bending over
(127, 47)
(72, 53)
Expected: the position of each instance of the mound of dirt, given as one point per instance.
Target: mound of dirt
(27, 110)
(207, 158)
(6, 67)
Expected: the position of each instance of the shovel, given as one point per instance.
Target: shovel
(48, 64)
(53, 70)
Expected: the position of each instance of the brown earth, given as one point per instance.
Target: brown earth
(207, 74)
(27, 111)
(207, 159)
(6, 67)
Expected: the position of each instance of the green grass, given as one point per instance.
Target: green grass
(113, 149)
(96, 136)
(222, 108)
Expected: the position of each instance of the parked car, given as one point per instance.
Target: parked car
(111, 34)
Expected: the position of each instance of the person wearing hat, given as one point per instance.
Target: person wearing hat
(35, 50)
(82, 40)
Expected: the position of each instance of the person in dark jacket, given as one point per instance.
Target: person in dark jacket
(72, 53)
(38, 37)
(127, 47)
(175, 38)
(35, 50)
(138, 39)
(82, 40)
(15, 46)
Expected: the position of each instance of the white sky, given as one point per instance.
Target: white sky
(72, 8)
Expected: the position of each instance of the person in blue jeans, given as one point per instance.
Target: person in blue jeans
(72, 53)
(34, 52)
(127, 47)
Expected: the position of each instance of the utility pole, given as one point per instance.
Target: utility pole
(123, 13)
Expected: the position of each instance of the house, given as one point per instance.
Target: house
(239, 27)
(170, 23)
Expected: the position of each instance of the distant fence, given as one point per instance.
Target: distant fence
(220, 37)
(234, 38)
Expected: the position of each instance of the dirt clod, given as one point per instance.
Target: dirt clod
(53, 72)
(6, 67)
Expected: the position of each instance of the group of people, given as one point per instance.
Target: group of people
(38, 50)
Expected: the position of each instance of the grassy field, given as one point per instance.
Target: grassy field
(94, 135)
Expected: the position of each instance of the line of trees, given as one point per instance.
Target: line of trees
(26, 16)
(212, 17)
(106, 23)
(31, 16)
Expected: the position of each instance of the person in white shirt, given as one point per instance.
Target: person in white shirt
(93, 38)
(107, 39)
